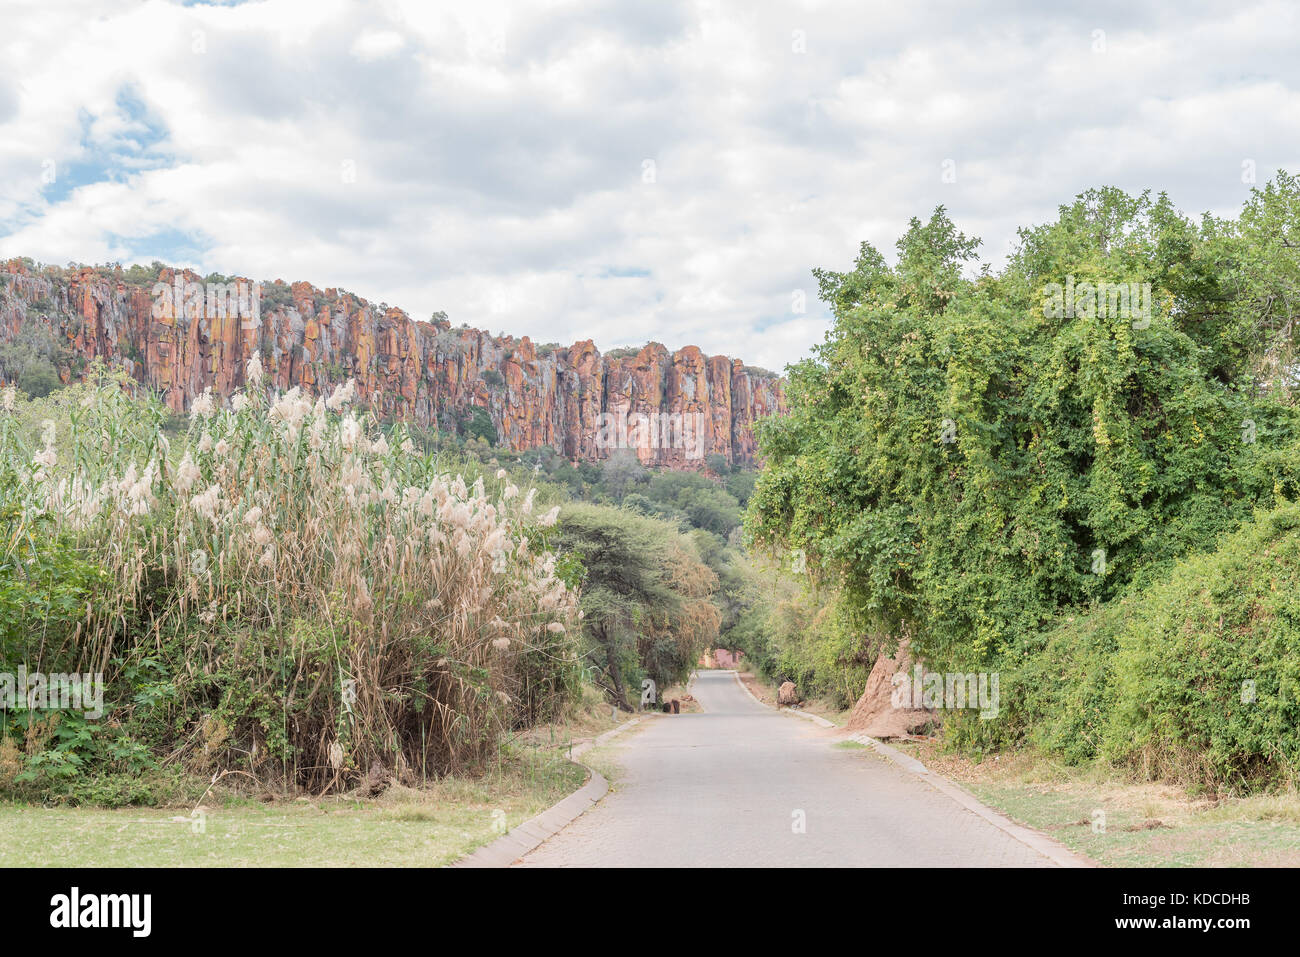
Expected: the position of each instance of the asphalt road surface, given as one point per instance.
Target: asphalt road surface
(732, 786)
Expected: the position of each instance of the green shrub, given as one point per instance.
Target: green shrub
(1157, 681)
(476, 423)
(1056, 692)
(1190, 643)
(39, 379)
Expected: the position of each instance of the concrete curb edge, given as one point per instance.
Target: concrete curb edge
(518, 841)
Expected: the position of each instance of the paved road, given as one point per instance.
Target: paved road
(721, 789)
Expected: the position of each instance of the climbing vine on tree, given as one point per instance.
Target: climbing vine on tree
(966, 458)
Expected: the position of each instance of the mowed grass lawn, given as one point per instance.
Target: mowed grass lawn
(404, 827)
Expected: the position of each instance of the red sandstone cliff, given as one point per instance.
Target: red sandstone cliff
(420, 371)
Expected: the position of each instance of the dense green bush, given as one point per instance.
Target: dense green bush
(48, 587)
(32, 359)
(1057, 692)
(1187, 647)
(476, 422)
(1160, 681)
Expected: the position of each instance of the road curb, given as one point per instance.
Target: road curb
(1050, 848)
(518, 841)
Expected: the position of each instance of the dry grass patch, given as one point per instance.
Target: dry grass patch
(1117, 820)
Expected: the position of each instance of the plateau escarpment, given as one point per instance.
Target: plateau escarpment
(423, 372)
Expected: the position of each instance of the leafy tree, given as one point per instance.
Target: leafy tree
(966, 461)
(740, 485)
(703, 502)
(645, 596)
(31, 359)
(620, 472)
(475, 422)
(718, 464)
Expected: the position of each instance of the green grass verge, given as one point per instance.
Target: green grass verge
(403, 828)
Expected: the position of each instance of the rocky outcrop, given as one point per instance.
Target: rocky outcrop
(177, 333)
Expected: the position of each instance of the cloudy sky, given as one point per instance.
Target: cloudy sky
(617, 171)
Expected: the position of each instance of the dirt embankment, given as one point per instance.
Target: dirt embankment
(877, 713)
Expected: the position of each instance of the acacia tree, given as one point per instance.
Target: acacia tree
(646, 597)
(621, 471)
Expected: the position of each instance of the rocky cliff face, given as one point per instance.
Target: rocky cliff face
(179, 335)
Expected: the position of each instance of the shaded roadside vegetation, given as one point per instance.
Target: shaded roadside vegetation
(1099, 507)
(665, 572)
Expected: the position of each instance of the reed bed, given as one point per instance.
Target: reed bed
(288, 590)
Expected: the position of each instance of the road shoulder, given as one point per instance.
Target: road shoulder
(528, 836)
(1050, 848)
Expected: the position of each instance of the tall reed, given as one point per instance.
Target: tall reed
(311, 598)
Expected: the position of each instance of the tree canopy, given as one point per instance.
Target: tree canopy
(966, 458)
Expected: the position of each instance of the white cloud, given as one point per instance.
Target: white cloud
(377, 44)
(498, 149)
